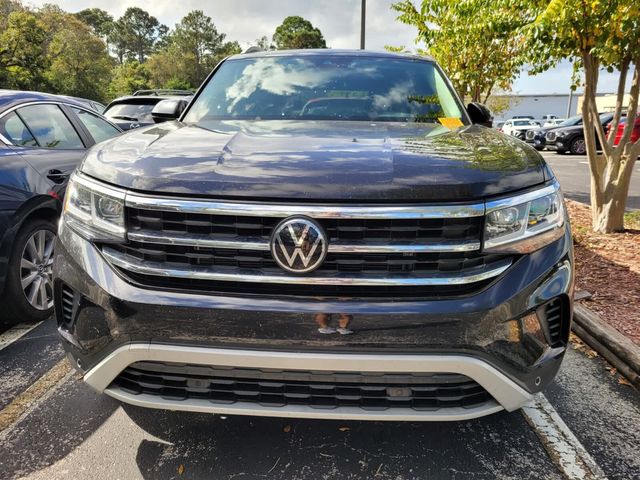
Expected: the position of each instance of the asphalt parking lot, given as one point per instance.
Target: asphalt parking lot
(586, 426)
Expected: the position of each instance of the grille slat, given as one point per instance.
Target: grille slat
(281, 388)
(413, 247)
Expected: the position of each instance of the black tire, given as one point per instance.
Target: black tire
(578, 146)
(16, 307)
(539, 148)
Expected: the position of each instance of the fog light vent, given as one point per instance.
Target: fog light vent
(553, 315)
(67, 297)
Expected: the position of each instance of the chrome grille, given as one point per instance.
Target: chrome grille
(381, 249)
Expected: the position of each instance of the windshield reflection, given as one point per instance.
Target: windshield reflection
(322, 87)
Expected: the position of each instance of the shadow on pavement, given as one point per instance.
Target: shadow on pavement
(207, 446)
(53, 429)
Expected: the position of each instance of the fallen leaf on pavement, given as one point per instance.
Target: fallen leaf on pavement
(180, 469)
(624, 381)
(344, 429)
(286, 429)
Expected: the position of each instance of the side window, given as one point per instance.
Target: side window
(50, 126)
(99, 129)
(14, 130)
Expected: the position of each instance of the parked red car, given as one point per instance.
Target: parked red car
(635, 133)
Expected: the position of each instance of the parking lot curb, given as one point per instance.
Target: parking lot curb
(617, 349)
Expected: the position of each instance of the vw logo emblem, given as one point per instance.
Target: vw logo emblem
(298, 245)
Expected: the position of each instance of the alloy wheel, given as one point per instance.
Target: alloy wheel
(36, 269)
(579, 147)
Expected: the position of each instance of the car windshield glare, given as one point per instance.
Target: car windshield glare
(319, 87)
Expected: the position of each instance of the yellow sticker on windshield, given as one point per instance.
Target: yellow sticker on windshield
(450, 122)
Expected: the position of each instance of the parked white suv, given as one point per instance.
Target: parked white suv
(519, 127)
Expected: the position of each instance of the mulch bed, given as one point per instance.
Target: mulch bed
(608, 267)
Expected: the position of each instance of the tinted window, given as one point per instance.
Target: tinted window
(577, 120)
(50, 126)
(324, 87)
(99, 129)
(14, 130)
(132, 112)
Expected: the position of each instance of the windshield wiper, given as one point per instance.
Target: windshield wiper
(124, 117)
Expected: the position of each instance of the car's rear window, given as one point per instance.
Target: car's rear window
(140, 112)
(326, 87)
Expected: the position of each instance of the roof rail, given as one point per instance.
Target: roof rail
(163, 91)
(254, 49)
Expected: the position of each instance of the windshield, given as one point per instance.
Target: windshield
(326, 87)
(139, 112)
(522, 123)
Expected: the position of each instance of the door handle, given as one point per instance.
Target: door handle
(57, 176)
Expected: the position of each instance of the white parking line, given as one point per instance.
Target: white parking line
(562, 445)
(15, 333)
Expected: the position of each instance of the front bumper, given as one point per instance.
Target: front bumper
(114, 324)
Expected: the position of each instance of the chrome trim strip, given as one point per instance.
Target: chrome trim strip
(160, 269)
(404, 248)
(524, 198)
(255, 243)
(506, 392)
(198, 240)
(360, 211)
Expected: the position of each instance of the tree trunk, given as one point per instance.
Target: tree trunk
(612, 169)
(608, 214)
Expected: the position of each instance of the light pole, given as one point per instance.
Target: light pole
(363, 16)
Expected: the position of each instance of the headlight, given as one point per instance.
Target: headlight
(94, 210)
(525, 223)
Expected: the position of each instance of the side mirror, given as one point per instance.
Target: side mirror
(168, 109)
(480, 114)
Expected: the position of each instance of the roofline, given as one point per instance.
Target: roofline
(332, 52)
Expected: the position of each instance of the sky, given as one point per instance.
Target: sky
(339, 21)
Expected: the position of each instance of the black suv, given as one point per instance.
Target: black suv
(135, 111)
(321, 234)
(538, 136)
(570, 138)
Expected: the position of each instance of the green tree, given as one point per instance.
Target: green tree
(264, 43)
(134, 35)
(99, 20)
(297, 32)
(479, 43)
(595, 35)
(22, 58)
(197, 37)
(169, 66)
(127, 78)
(80, 65)
(7, 7)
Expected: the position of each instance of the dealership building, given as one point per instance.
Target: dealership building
(557, 104)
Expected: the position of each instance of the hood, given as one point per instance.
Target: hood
(324, 161)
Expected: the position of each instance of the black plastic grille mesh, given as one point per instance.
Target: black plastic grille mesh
(313, 389)
(439, 229)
